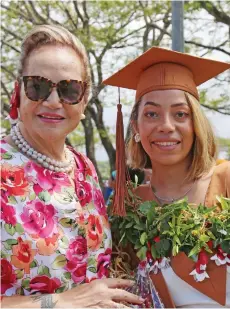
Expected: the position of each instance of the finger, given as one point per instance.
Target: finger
(124, 296)
(118, 283)
(118, 305)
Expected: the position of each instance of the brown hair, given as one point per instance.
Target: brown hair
(204, 148)
(51, 35)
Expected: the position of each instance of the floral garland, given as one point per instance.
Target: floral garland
(160, 232)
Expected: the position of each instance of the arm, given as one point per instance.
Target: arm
(104, 293)
(32, 301)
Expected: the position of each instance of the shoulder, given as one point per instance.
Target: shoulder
(10, 155)
(219, 184)
(222, 170)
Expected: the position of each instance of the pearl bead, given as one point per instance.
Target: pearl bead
(45, 164)
(45, 161)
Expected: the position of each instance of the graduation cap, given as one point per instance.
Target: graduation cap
(156, 69)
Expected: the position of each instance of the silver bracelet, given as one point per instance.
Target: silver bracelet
(46, 300)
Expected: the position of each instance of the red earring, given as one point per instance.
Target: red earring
(15, 103)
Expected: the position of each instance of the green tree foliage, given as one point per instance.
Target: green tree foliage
(114, 32)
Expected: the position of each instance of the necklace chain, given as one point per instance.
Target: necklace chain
(170, 200)
(45, 161)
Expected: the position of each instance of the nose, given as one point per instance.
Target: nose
(166, 125)
(53, 101)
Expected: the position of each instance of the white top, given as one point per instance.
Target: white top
(184, 295)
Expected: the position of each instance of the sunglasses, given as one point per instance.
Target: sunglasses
(38, 89)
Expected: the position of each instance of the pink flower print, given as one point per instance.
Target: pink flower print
(103, 263)
(84, 192)
(39, 219)
(77, 270)
(77, 250)
(2, 151)
(8, 213)
(47, 180)
(99, 202)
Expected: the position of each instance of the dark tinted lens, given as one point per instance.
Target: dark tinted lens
(70, 91)
(37, 88)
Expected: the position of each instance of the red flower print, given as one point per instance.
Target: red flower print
(8, 277)
(77, 251)
(7, 212)
(23, 255)
(77, 270)
(84, 192)
(47, 180)
(39, 219)
(44, 284)
(156, 238)
(13, 180)
(94, 232)
(103, 263)
(91, 169)
(99, 202)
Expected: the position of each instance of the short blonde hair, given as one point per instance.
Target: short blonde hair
(53, 35)
(204, 149)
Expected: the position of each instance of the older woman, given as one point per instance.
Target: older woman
(54, 228)
(172, 136)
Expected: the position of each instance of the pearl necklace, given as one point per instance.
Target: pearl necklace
(45, 161)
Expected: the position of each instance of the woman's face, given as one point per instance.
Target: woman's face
(51, 119)
(165, 126)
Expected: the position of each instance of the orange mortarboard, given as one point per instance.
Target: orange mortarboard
(160, 69)
(156, 69)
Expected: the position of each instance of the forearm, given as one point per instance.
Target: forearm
(31, 301)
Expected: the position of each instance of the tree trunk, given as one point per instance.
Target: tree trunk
(105, 139)
(89, 142)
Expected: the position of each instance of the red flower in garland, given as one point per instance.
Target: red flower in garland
(15, 102)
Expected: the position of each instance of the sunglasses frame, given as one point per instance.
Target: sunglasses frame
(54, 85)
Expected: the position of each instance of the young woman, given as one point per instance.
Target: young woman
(172, 136)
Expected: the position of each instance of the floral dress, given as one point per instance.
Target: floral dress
(54, 234)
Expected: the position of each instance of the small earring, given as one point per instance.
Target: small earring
(137, 138)
(82, 116)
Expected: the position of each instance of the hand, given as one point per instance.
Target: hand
(102, 293)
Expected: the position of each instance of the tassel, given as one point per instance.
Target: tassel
(121, 190)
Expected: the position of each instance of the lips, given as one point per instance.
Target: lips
(51, 116)
(166, 143)
(169, 145)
